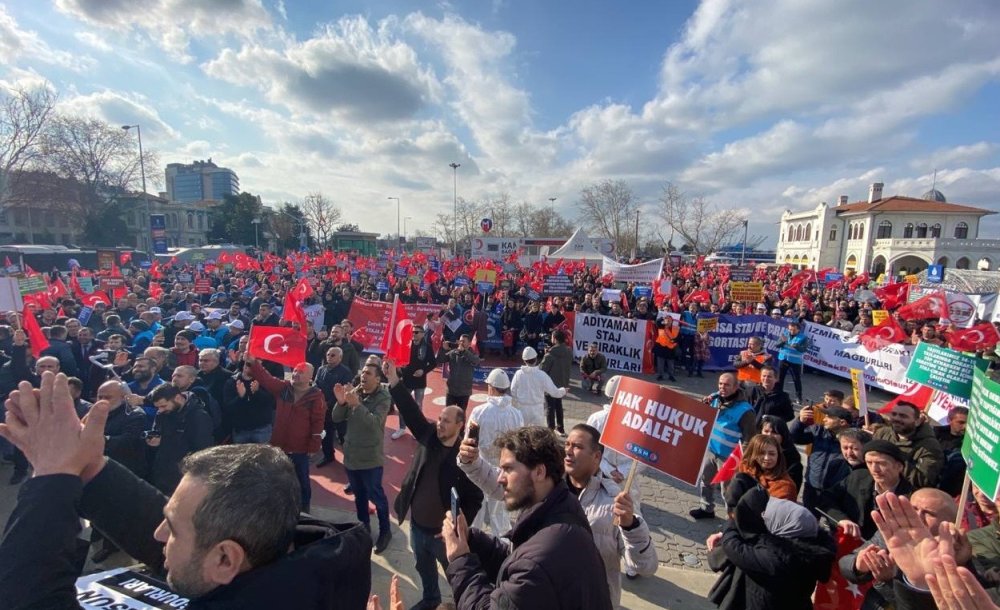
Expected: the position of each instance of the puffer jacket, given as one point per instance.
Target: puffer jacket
(924, 457)
(824, 463)
(528, 390)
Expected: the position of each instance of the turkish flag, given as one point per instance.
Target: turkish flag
(398, 335)
(916, 394)
(698, 296)
(293, 312)
(877, 337)
(836, 593)
(934, 305)
(278, 344)
(728, 469)
(980, 337)
(125, 258)
(90, 299)
(861, 280)
(155, 290)
(793, 291)
(34, 332)
(57, 290)
(302, 291)
(892, 295)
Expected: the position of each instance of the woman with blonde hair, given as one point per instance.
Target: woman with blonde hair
(764, 461)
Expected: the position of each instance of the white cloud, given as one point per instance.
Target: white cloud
(18, 46)
(956, 155)
(120, 108)
(93, 40)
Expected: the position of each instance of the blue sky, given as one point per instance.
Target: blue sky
(759, 106)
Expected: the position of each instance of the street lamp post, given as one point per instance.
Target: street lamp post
(552, 201)
(142, 172)
(399, 242)
(743, 248)
(256, 237)
(405, 218)
(454, 167)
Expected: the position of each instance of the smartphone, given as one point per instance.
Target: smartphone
(454, 507)
(474, 431)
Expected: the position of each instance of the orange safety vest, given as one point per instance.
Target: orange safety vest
(667, 338)
(749, 373)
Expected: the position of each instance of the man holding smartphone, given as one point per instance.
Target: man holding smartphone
(433, 483)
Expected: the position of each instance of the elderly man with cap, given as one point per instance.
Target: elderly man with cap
(852, 500)
(492, 418)
(529, 388)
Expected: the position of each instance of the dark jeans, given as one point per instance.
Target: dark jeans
(301, 463)
(685, 344)
(554, 413)
(367, 484)
(428, 550)
(461, 401)
(783, 367)
(334, 434)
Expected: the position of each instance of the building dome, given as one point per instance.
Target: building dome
(934, 195)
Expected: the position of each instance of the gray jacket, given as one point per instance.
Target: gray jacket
(365, 429)
(558, 363)
(461, 366)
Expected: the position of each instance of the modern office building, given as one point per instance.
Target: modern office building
(200, 181)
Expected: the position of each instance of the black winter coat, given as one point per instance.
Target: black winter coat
(854, 499)
(183, 431)
(122, 434)
(422, 358)
(450, 475)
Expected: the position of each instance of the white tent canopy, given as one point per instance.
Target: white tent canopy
(578, 247)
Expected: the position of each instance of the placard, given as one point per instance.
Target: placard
(859, 390)
(106, 259)
(746, 292)
(185, 277)
(485, 275)
(659, 427)
(125, 589)
(879, 316)
(31, 285)
(557, 285)
(982, 434)
(740, 274)
(944, 369)
(621, 340)
(10, 295)
(203, 285)
(707, 325)
(642, 273)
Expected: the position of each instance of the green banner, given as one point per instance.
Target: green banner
(982, 435)
(944, 369)
(31, 285)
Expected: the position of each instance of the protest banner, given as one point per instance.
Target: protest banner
(31, 285)
(10, 295)
(982, 434)
(557, 285)
(944, 369)
(86, 284)
(732, 334)
(370, 319)
(707, 325)
(643, 273)
(659, 427)
(746, 292)
(621, 340)
(879, 316)
(962, 308)
(610, 295)
(860, 392)
(126, 589)
(203, 285)
(838, 351)
(485, 275)
(740, 274)
(185, 277)
(106, 260)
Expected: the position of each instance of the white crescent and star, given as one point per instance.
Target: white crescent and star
(401, 327)
(267, 344)
(979, 336)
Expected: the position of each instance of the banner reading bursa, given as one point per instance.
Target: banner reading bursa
(659, 427)
(732, 333)
(370, 319)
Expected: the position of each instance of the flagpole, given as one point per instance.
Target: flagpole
(963, 497)
(628, 485)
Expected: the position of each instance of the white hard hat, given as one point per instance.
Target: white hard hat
(529, 353)
(498, 379)
(611, 387)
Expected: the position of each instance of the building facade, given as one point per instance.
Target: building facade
(187, 224)
(200, 181)
(898, 234)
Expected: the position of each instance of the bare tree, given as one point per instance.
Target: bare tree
(322, 214)
(501, 210)
(701, 224)
(608, 208)
(24, 116)
(469, 215)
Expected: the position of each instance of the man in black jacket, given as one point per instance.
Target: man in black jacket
(332, 372)
(182, 426)
(422, 362)
(768, 399)
(248, 409)
(425, 491)
(224, 536)
(548, 559)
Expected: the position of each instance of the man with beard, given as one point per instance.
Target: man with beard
(548, 559)
(915, 438)
(144, 381)
(228, 537)
(422, 362)
(767, 399)
(425, 490)
(735, 424)
(182, 426)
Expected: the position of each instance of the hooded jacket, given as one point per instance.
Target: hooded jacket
(328, 567)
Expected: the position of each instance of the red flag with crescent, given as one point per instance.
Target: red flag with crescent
(729, 468)
(35, 335)
(302, 291)
(398, 335)
(293, 312)
(980, 337)
(877, 337)
(277, 344)
(934, 305)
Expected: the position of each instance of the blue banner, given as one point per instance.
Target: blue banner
(732, 334)
(461, 281)
(158, 232)
(642, 291)
(382, 286)
(494, 338)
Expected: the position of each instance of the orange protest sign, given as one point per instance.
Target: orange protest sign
(659, 427)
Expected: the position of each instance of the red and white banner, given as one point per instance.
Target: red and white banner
(371, 318)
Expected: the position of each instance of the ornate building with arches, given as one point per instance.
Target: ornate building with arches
(897, 233)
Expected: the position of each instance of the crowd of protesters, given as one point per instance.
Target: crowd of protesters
(181, 406)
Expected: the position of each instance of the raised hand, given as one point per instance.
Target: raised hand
(906, 536)
(241, 388)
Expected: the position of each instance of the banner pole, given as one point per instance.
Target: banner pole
(628, 485)
(963, 498)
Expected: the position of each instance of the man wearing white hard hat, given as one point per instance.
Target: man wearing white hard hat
(494, 417)
(529, 387)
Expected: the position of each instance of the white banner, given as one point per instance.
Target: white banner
(837, 351)
(643, 273)
(621, 340)
(126, 589)
(963, 308)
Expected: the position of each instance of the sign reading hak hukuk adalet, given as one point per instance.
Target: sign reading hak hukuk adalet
(982, 435)
(944, 369)
(659, 427)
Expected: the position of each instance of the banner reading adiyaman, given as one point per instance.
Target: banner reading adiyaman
(621, 340)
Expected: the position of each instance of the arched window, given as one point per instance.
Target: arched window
(908, 230)
(962, 232)
(798, 233)
(884, 230)
(201, 221)
(791, 233)
(922, 230)
(962, 263)
(861, 230)
(809, 231)
(852, 262)
(936, 230)
(190, 220)
(943, 261)
(833, 234)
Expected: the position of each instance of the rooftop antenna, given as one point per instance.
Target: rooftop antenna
(934, 184)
